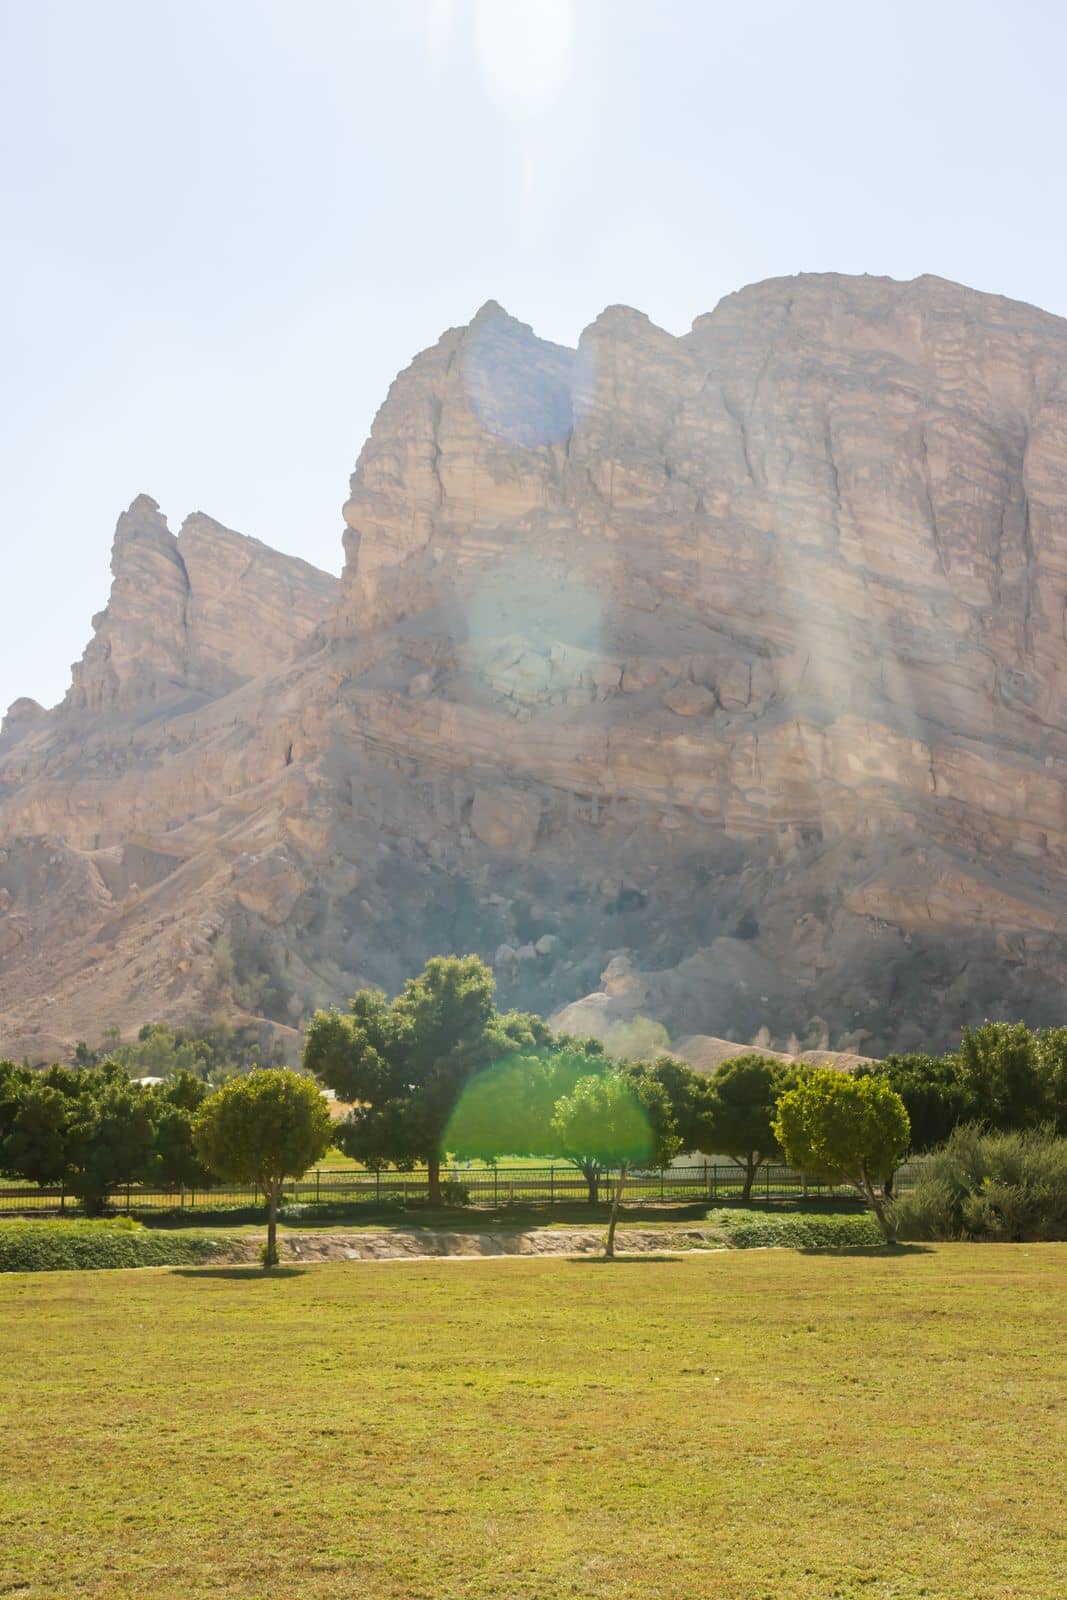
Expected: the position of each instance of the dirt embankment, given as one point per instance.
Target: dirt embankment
(395, 1245)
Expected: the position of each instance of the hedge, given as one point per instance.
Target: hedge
(60, 1246)
(796, 1230)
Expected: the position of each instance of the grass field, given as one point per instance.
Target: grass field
(752, 1426)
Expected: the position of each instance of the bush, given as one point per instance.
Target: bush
(987, 1185)
(56, 1246)
(753, 1230)
(455, 1194)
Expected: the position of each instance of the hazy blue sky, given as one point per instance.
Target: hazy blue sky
(228, 223)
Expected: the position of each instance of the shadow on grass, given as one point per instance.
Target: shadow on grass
(618, 1261)
(889, 1251)
(250, 1271)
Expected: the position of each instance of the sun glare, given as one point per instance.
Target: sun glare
(525, 49)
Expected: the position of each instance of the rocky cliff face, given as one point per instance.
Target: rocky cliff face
(195, 613)
(738, 656)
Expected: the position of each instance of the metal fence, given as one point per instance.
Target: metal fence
(498, 1186)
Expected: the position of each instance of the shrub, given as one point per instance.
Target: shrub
(57, 1246)
(988, 1185)
(455, 1194)
(753, 1230)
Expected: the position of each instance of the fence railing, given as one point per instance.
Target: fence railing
(554, 1184)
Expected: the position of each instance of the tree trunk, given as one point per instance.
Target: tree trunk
(609, 1244)
(270, 1256)
(876, 1202)
(433, 1176)
(592, 1184)
(751, 1168)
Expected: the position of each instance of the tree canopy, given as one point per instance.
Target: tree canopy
(616, 1119)
(844, 1129)
(744, 1093)
(404, 1063)
(263, 1128)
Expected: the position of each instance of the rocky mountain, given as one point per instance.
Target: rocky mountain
(731, 666)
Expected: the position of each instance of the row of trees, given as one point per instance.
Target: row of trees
(213, 1051)
(93, 1131)
(1004, 1075)
(439, 1069)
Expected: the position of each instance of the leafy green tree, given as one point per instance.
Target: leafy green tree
(210, 1051)
(88, 1128)
(405, 1063)
(12, 1078)
(841, 1128)
(1000, 1067)
(507, 1109)
(175, 1162)
(34, 1146)
(110, 1139)
(689, 1095)
(934, 1094)
(1052, 1063)
(263, 1128)
(616, 1120)
(744, 1093)
(95, 1131)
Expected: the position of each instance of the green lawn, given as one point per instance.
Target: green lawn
(742, 1425)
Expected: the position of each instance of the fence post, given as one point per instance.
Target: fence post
(62, 1195)
(318, 1183)
(551, 1186)
(378, 1183)
(181, 1197)
(127, 1199)
(661, 1183)
(495, 1175)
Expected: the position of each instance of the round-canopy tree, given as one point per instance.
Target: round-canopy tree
(845, 1129)
(404, 1064)
(744, 1094)
(261, 1129)
(616, 1120)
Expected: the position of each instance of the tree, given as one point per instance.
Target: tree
(405, 1063)
(508, 1107)
(34, 1147)
(1000, 1066)
(689, 1095)
(935, 1097)
(744, 1093)
(110, 1138)
(175, 1162)
(263, 1128)
(1052, 1063)
(616, 1119)
(845, 1129)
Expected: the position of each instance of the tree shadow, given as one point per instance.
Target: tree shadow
(250, 1271)
(619, 1261)
(884, 1250)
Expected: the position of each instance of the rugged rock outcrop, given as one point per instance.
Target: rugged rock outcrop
(196, 613)
(741, 655)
